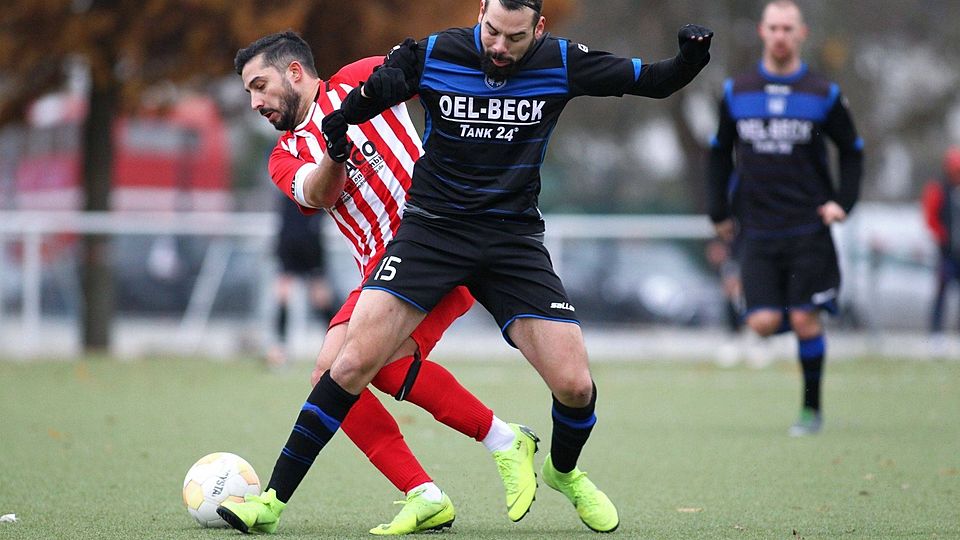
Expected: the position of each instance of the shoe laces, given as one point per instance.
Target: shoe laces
(506, 462)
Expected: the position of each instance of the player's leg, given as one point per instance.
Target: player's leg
(556, 350)
(374, 431)
(811, 351)
(433, 388)
(277, 353)
(813, 285)
(525, 296)
(380, 322)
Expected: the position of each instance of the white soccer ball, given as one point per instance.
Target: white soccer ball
(213, 479)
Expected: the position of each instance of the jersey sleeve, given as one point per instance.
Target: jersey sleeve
(598, 73)
(839, 127)
(287, 171)
(356, 72)
(720, 165)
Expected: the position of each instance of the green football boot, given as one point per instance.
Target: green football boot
(515, 466)
(258, 513)
(419, 515)
(594, 508)
(809, 423)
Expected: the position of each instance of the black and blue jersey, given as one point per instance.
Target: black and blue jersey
(775, 127)
(485, 140)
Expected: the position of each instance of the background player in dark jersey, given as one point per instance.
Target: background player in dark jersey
(774, 119)
(301, 252)
(493, 94)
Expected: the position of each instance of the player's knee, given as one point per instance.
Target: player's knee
(765, 323)
(574, 391)
(806, 324)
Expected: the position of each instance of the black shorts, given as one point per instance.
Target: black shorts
(510, 274)
(796, 272)
(302, 254)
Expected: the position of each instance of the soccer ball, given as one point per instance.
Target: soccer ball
(213, 479)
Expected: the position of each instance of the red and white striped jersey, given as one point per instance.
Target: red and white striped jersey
(379, 168)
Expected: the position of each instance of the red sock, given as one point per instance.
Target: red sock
(376, 434)
(438, 392)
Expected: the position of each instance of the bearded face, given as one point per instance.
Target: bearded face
(284, 118)
(500, 66)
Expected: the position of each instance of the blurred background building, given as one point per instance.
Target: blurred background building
(130, 112)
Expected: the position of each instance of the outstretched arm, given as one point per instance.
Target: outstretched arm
(597, 73)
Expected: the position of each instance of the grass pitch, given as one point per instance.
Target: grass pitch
(98, 449)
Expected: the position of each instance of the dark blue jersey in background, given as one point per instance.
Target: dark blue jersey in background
(775, 127)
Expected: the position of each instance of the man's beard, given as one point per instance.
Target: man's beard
(290, 103)
(496, 72)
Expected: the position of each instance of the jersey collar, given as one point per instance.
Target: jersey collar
(783, 79)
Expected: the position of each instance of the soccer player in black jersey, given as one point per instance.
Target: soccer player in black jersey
(780, 192)
(492, 94)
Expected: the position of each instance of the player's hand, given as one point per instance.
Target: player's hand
(726, 230)
(386, 85)
(334, 128)
(694, 43)
(404, 56)
(831, 212)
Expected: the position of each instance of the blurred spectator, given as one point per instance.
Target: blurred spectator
(941, 210)
(302, 257)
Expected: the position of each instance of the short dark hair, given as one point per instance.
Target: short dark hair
(278, 51)
(535, 5)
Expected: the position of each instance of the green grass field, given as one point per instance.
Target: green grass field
(98, 449)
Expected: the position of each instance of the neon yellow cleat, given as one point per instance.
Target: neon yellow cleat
(594, 508)
(516, 469)
(258, 513)
(419, 515)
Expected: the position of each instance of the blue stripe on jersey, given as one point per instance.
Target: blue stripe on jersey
(637, 64)
(563, 51)
(329, 422)
(431, 41)
(799, 105)
(497, 167)
(476, 38)
(859, 144)
(427, 121)
(448, 77)
(458, 185)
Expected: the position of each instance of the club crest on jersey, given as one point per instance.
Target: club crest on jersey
(776, 105)
(494, 84)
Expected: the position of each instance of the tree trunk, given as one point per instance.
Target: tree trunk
(96, 273)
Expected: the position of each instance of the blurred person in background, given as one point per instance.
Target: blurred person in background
(941, 211)
(721, 258)
(774, 119)
(302, 255)
(362, 185)
(493, 94)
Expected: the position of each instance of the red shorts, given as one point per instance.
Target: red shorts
(428, 333)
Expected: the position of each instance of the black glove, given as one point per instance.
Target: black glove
(694, 43)
(334, 129)
(386, 85)
(404, 56)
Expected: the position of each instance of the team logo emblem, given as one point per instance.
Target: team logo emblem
(776, 105)
(494, 84)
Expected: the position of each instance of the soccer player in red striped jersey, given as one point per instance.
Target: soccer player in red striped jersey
(363, 187)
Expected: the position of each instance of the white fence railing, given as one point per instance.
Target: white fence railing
(892, 231)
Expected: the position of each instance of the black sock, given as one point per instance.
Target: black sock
(319, 419)
(571, 429)
(282, 322)
(812, 352)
